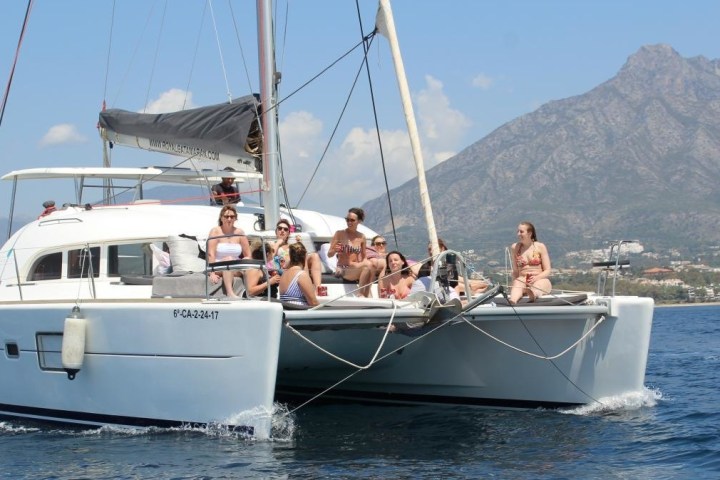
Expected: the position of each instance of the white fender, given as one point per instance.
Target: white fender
(73, 343)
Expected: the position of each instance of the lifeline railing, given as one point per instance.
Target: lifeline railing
(612, 264)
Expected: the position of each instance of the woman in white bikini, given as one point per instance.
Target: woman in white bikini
(531, 265)
(232, 244)
(349, 246)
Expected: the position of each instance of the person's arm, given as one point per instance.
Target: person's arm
(244, 243)
(363, 247)
(217, 194)
(253, 285)
(211, 252)
(332, 250)
(308, 289)
(212, 246)
(513, 260)
(546, 268)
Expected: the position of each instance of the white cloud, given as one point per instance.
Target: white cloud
(352, 172)
(482, 81)
(442, 127)
(171, 101)
(62, 134)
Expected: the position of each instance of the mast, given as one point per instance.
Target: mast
(386, 25)
(268, 100)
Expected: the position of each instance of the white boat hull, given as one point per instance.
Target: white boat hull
(163, 363)
(459, 364)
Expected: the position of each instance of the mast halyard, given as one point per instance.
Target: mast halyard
(386, 25)
(268, 102)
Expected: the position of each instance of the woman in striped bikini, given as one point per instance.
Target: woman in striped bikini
(349, 245)
(295, 284)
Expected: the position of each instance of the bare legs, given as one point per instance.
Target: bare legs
(519, 288)
(362, 272)
(227, 278)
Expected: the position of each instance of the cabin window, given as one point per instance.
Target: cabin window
(130, 259)
(47, 267)
(82, 261)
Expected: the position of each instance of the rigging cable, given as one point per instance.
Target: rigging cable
(247, 77)
(222, 61)
(281, 173)
(134, 55)
(107, 58)
(107, 152)
(17, 54)
(337, 125)
(154, 63)
(194, 58)
(366, 46)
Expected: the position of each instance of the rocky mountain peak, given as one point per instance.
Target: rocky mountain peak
(636, 157)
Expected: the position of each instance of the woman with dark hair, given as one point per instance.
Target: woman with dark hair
(398, 280)
(349, 245)
(313, 264)
(230, 243)
(295, 284)
(256, 282)
(530, 266)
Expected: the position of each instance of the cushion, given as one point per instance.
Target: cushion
(184, 254)
(330, 263)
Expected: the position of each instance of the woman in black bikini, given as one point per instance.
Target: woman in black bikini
(349, 246)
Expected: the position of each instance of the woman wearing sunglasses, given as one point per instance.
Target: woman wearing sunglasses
(350, 247)
(281, 248)
(376, 253)
(231, 244)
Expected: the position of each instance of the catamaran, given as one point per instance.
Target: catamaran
(91, 333)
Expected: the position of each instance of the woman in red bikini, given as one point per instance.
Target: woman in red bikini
(398, 280)
(531, 265)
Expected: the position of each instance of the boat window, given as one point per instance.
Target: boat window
(82, 260)
(130, 259)
(47, 267)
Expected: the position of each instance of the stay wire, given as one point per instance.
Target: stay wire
(17, 55)
(335, 129)
(109, 50)
(324, 70)
(154, 62)
(222, 60)
(194, 58)
(366, 46)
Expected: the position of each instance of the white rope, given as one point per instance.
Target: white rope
(342, 360)
(541, 357)
(343, 380)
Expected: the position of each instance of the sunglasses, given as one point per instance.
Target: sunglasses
(282, 229)
(348, 219)
(380, 244)
(229, 216)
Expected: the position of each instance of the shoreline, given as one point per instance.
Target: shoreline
(673, 305)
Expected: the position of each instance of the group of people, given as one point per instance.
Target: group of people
(294, 275)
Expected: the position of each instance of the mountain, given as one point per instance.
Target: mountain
(635, 157)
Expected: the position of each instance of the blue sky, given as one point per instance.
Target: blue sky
(472, 65)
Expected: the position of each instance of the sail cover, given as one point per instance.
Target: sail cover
(226, 133)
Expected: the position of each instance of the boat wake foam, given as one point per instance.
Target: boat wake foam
(645, 398)
(282, 427)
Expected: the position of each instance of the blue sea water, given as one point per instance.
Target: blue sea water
(671, 430)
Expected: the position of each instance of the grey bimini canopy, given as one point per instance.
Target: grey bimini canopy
(226, 133)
